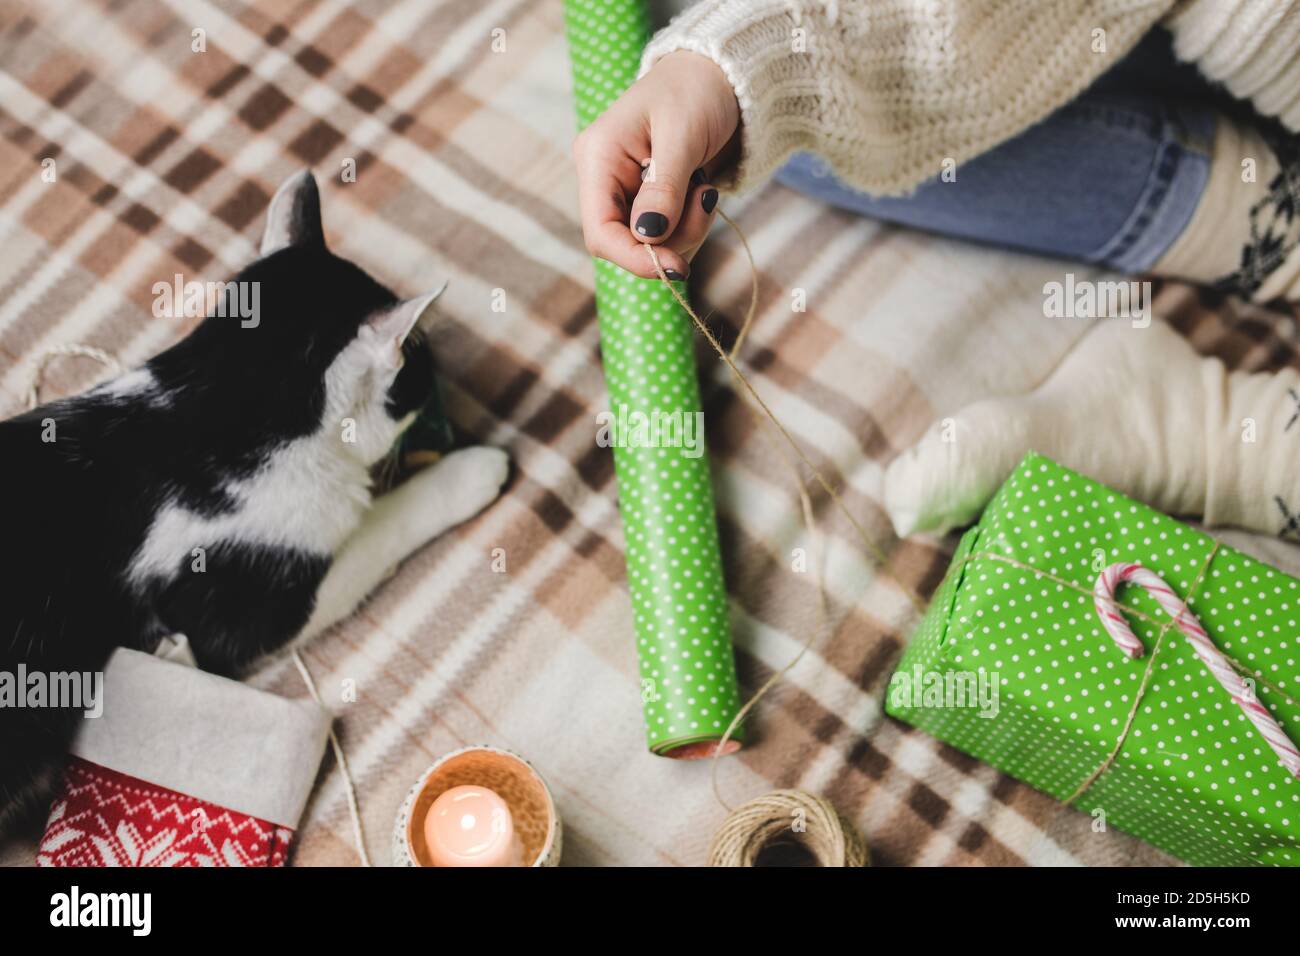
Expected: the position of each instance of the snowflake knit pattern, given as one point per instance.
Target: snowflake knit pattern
(106, 818)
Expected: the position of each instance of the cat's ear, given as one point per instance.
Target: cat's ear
(294, 216)
(392, 325)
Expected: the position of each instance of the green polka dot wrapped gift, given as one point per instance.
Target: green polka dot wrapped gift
(680, 612)
(1121, 661)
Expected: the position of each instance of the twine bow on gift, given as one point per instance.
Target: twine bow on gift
(1224, 669)
(1219, 666)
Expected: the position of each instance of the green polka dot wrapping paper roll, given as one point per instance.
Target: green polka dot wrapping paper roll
(680, 610)
(1017, 669)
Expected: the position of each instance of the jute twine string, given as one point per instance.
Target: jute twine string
(876, 551)
(349, 785)
(805, 502)
(50, 354)
(787, 816)
(754, 825)
(115, 367)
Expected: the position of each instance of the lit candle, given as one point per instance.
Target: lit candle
(471, 826)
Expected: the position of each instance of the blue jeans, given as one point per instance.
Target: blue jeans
(1111, 178)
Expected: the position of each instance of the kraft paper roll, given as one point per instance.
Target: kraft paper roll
(674, 565)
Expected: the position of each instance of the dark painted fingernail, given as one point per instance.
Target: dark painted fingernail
(709, 199)
(699, 178)
(674, 275)
(651, 224)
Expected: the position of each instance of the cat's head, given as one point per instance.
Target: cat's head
(307, 342)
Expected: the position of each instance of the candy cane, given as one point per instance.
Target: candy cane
(1242, 695)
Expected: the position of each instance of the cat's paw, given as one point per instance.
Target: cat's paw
(468, 480)
(480, 473)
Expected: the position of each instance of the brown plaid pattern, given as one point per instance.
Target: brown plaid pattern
(165, 160)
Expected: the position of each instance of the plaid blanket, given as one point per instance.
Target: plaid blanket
(166, 158)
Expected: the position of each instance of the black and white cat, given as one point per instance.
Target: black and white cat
(221, 490)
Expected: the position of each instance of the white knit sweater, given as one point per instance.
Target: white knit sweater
(888, 90)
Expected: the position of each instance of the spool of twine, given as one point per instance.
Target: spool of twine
(790, 820)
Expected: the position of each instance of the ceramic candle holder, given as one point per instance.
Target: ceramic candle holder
(509, 776)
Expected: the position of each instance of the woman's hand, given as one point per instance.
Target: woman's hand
(651, 153)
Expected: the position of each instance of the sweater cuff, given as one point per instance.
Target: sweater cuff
(1252, 47)
(751, 41)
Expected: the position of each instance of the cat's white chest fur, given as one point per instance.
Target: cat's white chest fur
(307, 496)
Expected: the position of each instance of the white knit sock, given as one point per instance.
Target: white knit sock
(1239, 238)
(1134, 408)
